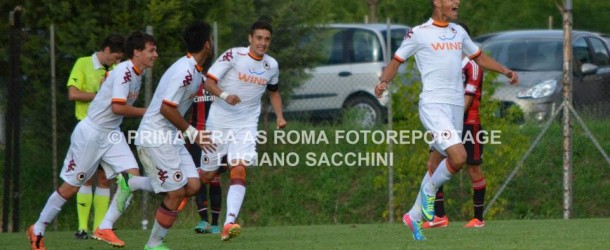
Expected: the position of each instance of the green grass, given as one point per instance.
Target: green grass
(509, 234)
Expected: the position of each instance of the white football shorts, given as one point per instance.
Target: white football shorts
(168, 166)
(443, 123)
(92, 146)
(238, 144)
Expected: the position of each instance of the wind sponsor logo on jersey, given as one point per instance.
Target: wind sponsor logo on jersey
(253, 71)
(247, 78)
(451, 36)
(446, 46)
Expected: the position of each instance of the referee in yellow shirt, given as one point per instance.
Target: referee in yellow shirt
(85, 80)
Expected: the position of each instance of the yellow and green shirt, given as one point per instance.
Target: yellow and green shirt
(87, 76)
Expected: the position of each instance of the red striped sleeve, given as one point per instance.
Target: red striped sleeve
(398, 59)
(119, 100)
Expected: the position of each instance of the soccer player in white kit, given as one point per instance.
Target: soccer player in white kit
(97, 139)
(438, 46)
(239, 77)
(160, 139)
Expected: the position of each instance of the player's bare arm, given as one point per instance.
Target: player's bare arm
(489, 63)
(467, 102)
(211, 86)
(386, 76)
(127, 110)
(75, 94)
(202, 138)
(276, 102)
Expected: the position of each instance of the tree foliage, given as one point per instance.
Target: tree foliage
(80, 26)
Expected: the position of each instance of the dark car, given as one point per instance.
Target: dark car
(537, 55)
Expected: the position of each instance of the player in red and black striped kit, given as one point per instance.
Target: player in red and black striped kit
(199, 113)
(472, 75)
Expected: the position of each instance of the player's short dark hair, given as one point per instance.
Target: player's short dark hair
(114, 42)
(261, 24)
(464, 26)
(196, 35)
(137, 41)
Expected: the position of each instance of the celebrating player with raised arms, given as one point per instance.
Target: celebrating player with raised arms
(438, 46)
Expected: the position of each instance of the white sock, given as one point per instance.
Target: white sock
(48, 213)
(235, 197)
(85, 190)
(102, 191)
(113, 214)
(140, 183)
(157, 235)
(415, 212)
(440, 176)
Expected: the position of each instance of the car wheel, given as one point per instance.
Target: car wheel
(369, 112)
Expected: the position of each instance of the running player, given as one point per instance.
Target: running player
(84, 82)
(473, 85)
(239, 77)
(438, 46)
(97, 139)
(199, 113)
(165, 159)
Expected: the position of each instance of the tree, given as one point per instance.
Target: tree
(373, 5)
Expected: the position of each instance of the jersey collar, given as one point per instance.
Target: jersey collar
(253, 56)
(198, 67)
(438, 23)
(96, 62)
(135, 69)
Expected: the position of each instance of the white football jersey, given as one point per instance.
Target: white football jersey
(177, 87)
(122, 86)
(240, 73)
(438, 49)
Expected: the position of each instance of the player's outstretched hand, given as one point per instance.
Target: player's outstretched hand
(233, 99)
(204, 141)
(281, 123)
(380, 88)
(514, 77)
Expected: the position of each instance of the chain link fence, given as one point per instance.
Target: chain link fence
(352, 60)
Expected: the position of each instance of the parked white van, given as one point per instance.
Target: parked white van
(353, 57)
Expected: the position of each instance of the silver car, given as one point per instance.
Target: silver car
(352, 59)
(537, 55)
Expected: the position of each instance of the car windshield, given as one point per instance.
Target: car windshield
(396, 36)
(527, 54)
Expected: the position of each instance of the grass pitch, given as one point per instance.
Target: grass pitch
(513, 234)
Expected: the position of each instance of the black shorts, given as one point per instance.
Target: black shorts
(471, 137)
(195, 152)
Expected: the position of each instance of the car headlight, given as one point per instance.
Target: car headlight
(543, 89)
